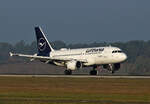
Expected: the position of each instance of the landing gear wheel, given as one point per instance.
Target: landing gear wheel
(93, 72)
(112, 71)
(68, 72)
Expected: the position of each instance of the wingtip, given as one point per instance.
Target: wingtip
(10, 54)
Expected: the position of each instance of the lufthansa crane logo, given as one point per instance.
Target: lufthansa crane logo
(41, 44)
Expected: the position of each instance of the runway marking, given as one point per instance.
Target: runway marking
(75, 76)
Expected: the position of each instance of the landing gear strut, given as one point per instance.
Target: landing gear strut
(68, 72)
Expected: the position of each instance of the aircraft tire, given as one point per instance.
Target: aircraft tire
(112, 71)
(93, 72)
(68, 72)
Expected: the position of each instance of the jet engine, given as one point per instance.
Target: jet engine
(72, 65)
(112, 67)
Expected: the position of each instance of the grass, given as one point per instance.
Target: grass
(25, 90)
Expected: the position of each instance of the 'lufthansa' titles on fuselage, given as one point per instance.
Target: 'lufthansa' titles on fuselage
(95, 50)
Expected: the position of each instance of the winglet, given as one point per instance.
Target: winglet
(13, 54)
(10, 54)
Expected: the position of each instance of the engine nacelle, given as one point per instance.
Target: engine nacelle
(72, 65)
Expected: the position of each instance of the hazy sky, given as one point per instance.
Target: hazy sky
(74, 21)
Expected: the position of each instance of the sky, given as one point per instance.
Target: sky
(75, 21)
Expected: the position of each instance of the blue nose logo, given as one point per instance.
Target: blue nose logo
(41, 44)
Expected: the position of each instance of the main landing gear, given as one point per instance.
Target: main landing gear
(112, 71)
(68, 72)
(94, 71)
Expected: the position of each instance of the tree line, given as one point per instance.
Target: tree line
(138, 52)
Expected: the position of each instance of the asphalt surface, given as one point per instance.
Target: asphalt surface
(74, 76)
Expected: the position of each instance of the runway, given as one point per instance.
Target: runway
(75, 76)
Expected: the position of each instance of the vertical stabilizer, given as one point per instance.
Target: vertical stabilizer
(44, 47)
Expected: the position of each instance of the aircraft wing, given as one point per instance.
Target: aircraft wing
(69, 59)
(35, 57)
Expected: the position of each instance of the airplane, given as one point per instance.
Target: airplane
(108, 57)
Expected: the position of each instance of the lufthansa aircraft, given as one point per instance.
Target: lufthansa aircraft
(73, 59)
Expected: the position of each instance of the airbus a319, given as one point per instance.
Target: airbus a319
(109, 57)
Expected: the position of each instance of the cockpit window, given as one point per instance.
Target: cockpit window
(117, 51)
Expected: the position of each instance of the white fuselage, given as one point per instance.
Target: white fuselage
(92, 56)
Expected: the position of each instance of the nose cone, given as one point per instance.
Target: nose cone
(124, 57)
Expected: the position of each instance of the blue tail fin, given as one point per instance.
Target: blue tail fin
(44, 47)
